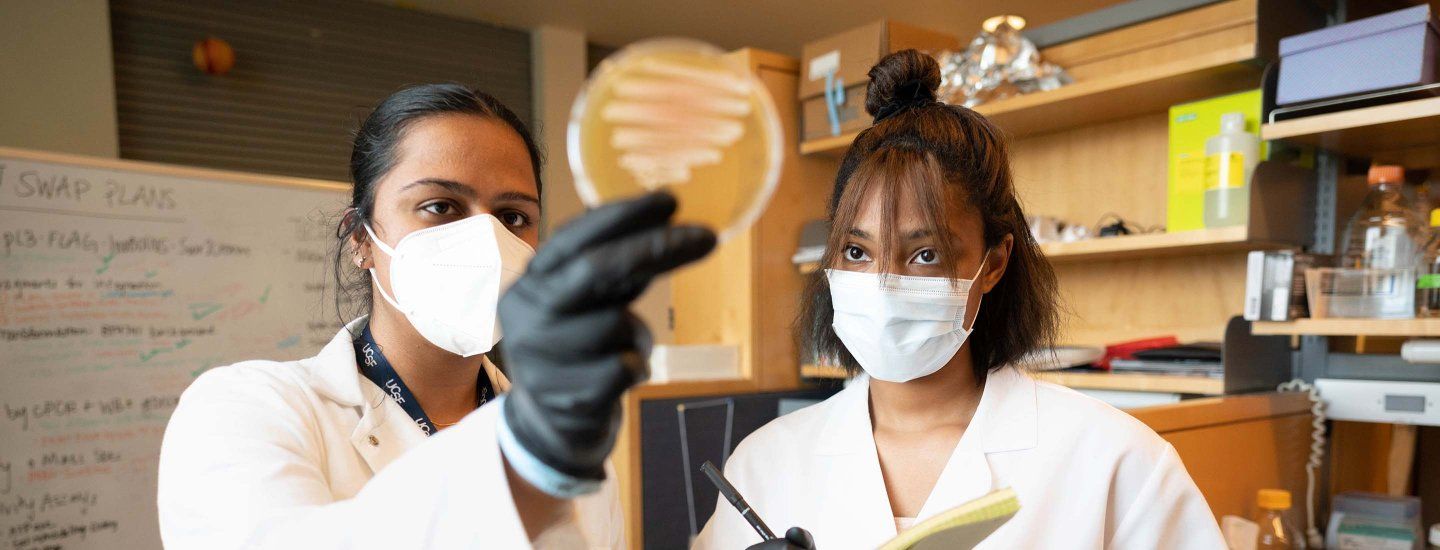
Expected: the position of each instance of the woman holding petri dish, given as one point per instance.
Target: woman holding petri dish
(402, 433)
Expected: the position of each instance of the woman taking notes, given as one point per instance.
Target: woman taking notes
(933, 288)
(401, 433)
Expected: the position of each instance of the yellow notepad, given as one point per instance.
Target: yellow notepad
(960, 527)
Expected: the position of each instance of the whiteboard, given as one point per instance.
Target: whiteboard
(120, 282)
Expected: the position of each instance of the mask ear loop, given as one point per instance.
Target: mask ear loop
(973, 280)
(388, 252)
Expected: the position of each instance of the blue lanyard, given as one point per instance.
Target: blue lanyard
(376, 368)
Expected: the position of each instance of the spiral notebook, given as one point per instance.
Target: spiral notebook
(961, 527)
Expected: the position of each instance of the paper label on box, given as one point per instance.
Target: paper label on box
(824, 64)
(1376, 537)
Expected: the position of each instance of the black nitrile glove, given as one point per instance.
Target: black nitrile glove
(572, 346)
(795, 539)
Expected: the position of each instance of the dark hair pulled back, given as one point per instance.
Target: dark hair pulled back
(375, 149)
(953, 161)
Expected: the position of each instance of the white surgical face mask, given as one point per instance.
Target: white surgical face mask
(447, 280)
(898, 327)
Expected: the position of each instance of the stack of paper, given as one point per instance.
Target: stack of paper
(960, 527)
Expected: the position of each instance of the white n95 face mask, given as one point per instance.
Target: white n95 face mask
(898, 327)
(447, 280)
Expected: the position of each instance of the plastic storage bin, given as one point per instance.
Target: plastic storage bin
(1360, 293)
(1376, 53)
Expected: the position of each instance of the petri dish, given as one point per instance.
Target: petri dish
(677, 115)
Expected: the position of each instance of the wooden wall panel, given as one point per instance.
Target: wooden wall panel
(1235, 445)
(1080, 175)
(746, 293)
(1138, 46)
(1119, 167)
(803, 197)
(1191, 297)
(1230, 462)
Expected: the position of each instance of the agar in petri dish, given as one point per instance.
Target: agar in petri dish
(677, 115)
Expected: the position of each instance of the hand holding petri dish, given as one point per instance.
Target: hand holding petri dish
(681, 116)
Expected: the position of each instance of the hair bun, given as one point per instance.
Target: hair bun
(902, 79)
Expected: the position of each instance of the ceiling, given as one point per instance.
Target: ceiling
(778, 25)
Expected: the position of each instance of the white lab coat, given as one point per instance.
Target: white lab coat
(310, 454)
(1086, 474)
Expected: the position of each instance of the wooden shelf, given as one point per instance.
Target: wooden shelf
(1202, 241)
(1197, 385)
(1363, 132)
(822, 371)
(1350, 327)
(1113, 97)
(835, 145)
(690, 388)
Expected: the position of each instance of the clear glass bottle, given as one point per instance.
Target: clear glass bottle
(1427, 281)
(1230, 158)
(1385, 233)
(1276, 531)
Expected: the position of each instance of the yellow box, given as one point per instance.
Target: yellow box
(1190, 125)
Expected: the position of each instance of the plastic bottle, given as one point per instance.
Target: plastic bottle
(1275, 530)
(1230, 158)
(1427, 283)
(1385, 233)
(1421, 199)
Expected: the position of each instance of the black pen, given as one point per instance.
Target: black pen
(728, 491)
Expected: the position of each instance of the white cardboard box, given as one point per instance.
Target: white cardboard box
(671, 363)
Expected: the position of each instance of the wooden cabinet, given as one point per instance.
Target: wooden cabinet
(1234, 445)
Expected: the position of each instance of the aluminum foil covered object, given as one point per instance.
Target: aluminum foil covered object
(1000, 62)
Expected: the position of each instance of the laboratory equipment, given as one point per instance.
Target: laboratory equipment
(677, 115)
(1269, 279)
(1230, 158)
(1418, 351)
(1197, 359)
(1240, 533)
(1360, 293)
(1367, 520)
(1275, 284)
(1191, 126)
(1045, 229)
(1427, 283)
(1386, 401)
(999, 62)
(1276, 530)
(1318, 419)
(1384, 233)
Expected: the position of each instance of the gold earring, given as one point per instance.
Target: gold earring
(359, 261)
